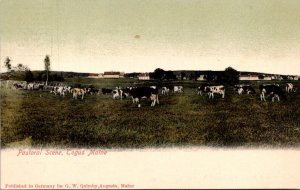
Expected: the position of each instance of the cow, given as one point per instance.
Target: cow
(117, 93)
(126, 91)
(289, 87)
(165, 90)
(143, 93)
(202, 89)
(68, 89)
(35, 86)
(244, 88)
(178, 89)
(18, 85)
(30, 86)
(61, 90)
(211, 90)
(271, 90)
(78, 92)
(90, 90)
(106, 91)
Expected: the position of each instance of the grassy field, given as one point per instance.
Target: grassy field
(34, 118)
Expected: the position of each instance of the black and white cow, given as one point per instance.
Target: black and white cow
(117, 93)
(18, 86)
(289, 87)
(244, 88)
(59, 90)
(140, 93)
(106, 91)
(211, 90)
(35, 86)
(271, 90)
(178, 89)
(165, 90)
(202, 89)
(90, 90)
(126, 91)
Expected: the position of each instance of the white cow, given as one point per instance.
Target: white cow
(165, 90)
(178, 89)
(220, 89)
(290, 87)
(30, 86)
(240, 91)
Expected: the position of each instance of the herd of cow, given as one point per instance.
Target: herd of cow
(271, 90)
(139, 93)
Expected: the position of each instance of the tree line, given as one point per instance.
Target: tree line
(228, 76)
(23, 72)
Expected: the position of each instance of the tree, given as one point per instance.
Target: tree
(158, 73)
(183, 75)
(7, 64)
(192, 76)
(261, 76)
(47, 67)
(169, 75)
(229, 76)
(196, 75)
(21, 67)
(209, 77)
(28, 75)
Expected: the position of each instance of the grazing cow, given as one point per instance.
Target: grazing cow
(68, 89)
(106, 91)
(220, 89)
(18, 86)
(290, 87)
(126, 91)
(30, 86)
(117, 93)
(143, 93)
(59, 90)
(165, 90)
(41, 86)
(78, 92)
(244, 88)
(90, 90)
(202, 89)
(271, 90)
(35, 86)
(178, 89)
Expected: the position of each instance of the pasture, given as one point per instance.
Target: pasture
(34, 118)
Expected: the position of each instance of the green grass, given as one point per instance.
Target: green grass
(34, 118)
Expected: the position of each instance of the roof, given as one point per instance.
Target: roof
(111, 73)
(93, 74)
(248, 75)
(143, 75)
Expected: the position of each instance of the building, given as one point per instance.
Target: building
(113, 74)
(267, 77)
(201, 78)
(292, 77)
(95, 75)
(249, 77)
(276, 77)
(144, 76)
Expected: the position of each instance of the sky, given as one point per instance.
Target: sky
(142, 35)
